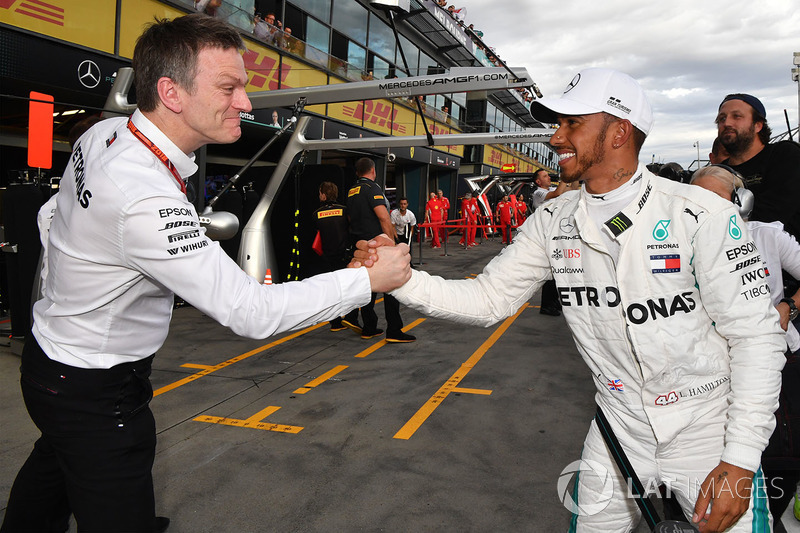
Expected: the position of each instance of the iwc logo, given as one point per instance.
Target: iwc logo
(89, 74)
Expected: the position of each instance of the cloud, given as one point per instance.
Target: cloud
(687, 54)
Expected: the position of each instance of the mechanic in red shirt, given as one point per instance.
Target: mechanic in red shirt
(433, 214)
(469, 212)
(445, 204)
(505, 217)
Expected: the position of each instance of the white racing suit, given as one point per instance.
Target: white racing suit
(684, 345)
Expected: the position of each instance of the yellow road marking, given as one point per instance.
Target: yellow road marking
(206, 370)
(384, 342)
(192, 365)
(451, 385)
(320, 380)
(253, 422)
(472, 391)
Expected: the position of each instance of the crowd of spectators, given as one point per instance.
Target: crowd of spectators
(244, 14)
(486, 55)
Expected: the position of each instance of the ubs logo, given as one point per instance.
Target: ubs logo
(89, 74)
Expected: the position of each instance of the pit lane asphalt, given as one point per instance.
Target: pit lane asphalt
(466, 429)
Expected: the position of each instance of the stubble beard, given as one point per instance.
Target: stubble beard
(586, 161)
(737, 143)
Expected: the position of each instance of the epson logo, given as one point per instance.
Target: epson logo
(745, 249)
(175, 212)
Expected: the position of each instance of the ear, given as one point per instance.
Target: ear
(758, 126)
(621, 131)
(170, 94)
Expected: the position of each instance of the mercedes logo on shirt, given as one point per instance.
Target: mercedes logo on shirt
(89, 74)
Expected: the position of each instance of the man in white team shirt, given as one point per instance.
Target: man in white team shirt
(545, 190)
(123, 241)
(404, 221)
(778, 251)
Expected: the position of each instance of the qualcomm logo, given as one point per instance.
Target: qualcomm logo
(584, 469)
(89, 74)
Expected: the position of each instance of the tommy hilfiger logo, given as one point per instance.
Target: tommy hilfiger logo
(617, 103)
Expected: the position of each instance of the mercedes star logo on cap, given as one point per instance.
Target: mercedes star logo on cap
(573, 83)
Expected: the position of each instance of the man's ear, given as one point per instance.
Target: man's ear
(169, 93)
(621, 131)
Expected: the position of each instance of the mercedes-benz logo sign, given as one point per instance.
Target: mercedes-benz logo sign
(573, 83)
(89, 74)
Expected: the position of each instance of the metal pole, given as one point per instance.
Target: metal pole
(419, 239)
(796, 77)
(697, 145)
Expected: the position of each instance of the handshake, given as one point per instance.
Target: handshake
(388, 264)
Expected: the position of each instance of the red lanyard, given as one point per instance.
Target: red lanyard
(158, 153)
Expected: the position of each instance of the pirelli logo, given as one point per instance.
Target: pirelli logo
(330, 213)
(354, 191)
(618, 224)
(378, 197)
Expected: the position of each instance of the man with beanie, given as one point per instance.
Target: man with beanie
(771, 171)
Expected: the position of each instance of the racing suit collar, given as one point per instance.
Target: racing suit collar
(590, 232)
(619, 223)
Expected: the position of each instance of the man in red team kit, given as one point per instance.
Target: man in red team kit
(445, 205)
(433, 214)
(469, 211)
(505, 217)
(522, 209)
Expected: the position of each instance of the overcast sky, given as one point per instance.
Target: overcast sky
(687, 54)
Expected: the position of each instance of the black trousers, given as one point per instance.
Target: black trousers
(394, 322)
(550, 295)
(94, 458)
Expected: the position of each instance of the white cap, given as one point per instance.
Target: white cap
(596, 90)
